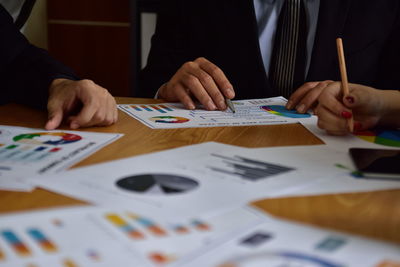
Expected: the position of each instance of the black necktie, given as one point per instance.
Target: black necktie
(287, 68)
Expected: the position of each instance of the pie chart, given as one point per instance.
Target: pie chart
(157, 184)
(47, 138)
(282, 111)
(169, 119)
(381, 137)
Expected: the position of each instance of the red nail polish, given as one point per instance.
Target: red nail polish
(350, 99)
(347, 115)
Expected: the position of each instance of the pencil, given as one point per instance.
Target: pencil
(230, 105)
(343, 74)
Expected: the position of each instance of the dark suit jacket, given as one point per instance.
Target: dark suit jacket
(25, 70)
(225, 32)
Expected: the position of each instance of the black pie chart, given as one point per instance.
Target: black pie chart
(157, 184)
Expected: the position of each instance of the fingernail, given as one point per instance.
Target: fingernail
(222, 105)
(74, 125)
(301, 108)
(350, 99)
(346, 115)
(230, 92)
(191, 106)
(211, 105)
(289, 104)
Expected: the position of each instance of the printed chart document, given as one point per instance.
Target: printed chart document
(248, 112)
(375, 138)
(182, 181)
(28, 152)
(91, 236)
(278, 243)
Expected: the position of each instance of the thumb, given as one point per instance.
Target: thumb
(55, 118)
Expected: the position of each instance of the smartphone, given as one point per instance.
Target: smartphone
(377, 163)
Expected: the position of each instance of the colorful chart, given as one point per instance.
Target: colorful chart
(42, 240)
(151, 226)
(50, 138)
(16, 243)
(282, 111)
(169, 119)
(158, 108)
(381, 137)
(124, 226)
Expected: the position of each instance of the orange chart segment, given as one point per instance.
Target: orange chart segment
(16, 243)
(45, 243)
(149, 225)
(124, 226)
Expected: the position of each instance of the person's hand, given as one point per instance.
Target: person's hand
(82, 103)
(198, 80)
(306, 96)
(363, 103)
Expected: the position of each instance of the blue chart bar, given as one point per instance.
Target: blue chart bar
(159, 109)
(146, 108)
(136, 108)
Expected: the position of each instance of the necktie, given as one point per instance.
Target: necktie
(287, 69)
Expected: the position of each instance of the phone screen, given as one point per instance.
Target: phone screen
(377, 163)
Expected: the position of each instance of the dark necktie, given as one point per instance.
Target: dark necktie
(287, 68)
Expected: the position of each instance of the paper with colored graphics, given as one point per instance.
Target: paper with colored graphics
(97, 237)
(26, 152)
(265, 111)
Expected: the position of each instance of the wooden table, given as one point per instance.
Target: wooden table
(373, 214)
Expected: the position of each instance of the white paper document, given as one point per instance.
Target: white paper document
(248, 112)
(278, 243)
(91, 236)
(186, 181)
(27, 152)
(384, 139)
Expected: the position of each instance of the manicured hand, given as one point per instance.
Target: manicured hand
(198, 80)
(81, 103)
(306, 96)
(363, 103)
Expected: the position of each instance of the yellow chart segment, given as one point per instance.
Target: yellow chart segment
(370, 139)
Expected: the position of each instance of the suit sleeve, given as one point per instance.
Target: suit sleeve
(168, 48)
(26, 71)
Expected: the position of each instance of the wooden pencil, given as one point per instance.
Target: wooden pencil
(343, 74)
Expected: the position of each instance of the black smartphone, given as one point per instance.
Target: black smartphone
(377, 163)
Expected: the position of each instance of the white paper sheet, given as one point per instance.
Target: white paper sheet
(386, 139)
(91, 236)
(183, 181)
(277, 243)
(248, 112)
(27, 152)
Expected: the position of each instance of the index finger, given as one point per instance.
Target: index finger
(219, 77)
(330, 98)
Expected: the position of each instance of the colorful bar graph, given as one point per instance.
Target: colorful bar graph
(159, 109)
(166, 108)
(18, 246)
(42, 240)
(148, 224)
(119, 222)
(136, 108)
(146, 108)
(201, 226)
(69, 263)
